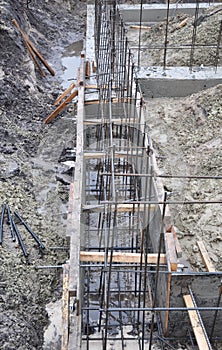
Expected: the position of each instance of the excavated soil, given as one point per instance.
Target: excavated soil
(186, 134)
(183, 30)
(32, 178)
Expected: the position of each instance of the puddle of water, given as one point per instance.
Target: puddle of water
(71, 63)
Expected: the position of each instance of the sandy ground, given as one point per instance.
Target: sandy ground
(187, 139)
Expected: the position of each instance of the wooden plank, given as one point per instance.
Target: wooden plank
(121, 257)
(31, 53)
(205, 257)
(107, 121)
(104, 87)
(114, 100)
(64, 94)
(196, 325)
(61, 107)
(121, 208)
(140, 27)
(171, 251)
(177, 243)
(98, 155)
(26, 38)
(75, 233)
(65, 308)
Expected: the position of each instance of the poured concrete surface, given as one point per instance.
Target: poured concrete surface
(177, 81)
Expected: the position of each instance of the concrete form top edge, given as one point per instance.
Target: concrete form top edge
(182, 73)
(178, 6)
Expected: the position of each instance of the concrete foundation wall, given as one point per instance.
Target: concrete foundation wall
(156, 12)
(157, 87)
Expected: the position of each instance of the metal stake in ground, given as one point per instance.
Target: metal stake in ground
(1, 223)
(10, 224)
(19, 239)
(41, 245)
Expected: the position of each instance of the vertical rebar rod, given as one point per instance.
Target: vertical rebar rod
(166, 35)
(114, 225)
(217, 56)
(139, 38)
(194, 34)
(1, 223)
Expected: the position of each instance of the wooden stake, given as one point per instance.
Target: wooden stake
(182, 23)
(26, 38)
(87, 69)
(33, 57)
(171, 251)
(94, 67)
(60, 107)
(64, 94)
(177, 243)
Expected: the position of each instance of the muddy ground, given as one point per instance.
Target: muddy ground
(30, 167)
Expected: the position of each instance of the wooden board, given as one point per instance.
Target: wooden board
(65, 308)
(34, 49)
(64, 94)
(98, 155)
(120, 207)
(107, 121)
(177, 243)
(171, 251)
(205, 257)
(121, 257)
(196, 325)
(61, 107)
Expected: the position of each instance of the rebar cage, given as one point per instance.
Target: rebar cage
(127, 281)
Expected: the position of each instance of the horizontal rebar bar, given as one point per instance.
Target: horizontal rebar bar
(160, 202)
(202, 177)
(188, 46)
(48, 266)
(156, 309)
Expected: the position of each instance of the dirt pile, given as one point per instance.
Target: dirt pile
(29, 163)
(181, 29)
(186, 133)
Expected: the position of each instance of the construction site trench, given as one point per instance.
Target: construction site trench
(37, 160)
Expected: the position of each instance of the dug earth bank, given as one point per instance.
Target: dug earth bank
(34, 181)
